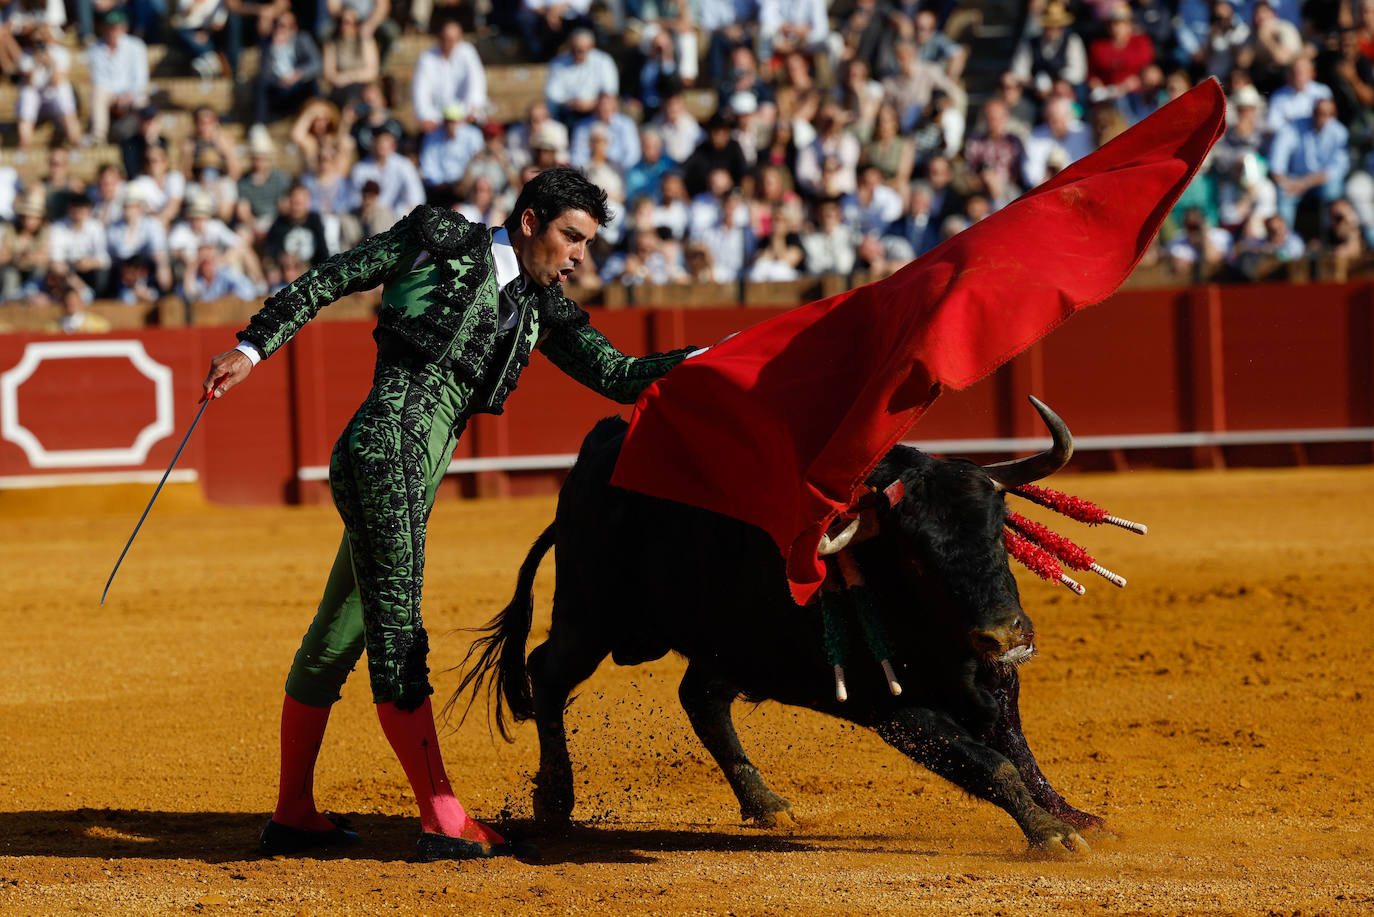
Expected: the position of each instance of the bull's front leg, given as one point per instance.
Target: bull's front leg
(1009, 739)
(707, 699)
(936, 741)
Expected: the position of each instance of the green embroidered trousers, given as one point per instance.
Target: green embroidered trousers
(383, 474)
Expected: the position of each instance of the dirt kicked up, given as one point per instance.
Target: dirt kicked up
(1217, 712)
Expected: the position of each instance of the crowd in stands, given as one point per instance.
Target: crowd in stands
(839, 138)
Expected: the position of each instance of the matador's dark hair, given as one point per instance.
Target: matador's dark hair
(555, 191)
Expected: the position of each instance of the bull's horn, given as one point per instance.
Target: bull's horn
(1018, 472)
(830, 545)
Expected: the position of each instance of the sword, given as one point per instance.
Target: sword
(204, 403)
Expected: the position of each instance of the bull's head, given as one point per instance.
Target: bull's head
(942, 553)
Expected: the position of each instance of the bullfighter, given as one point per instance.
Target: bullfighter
(463, 305)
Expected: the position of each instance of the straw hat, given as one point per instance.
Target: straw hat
(1056, 16)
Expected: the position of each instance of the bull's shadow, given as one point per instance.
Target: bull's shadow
(231, 837)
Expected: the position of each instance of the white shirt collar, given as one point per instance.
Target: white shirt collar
(503, 256)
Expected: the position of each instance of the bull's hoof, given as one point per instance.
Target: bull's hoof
(1057, 840)
(773, 813)
(552, 807)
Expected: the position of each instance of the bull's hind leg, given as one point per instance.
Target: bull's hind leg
(707, 700)
(1009, 739)
(556, 666)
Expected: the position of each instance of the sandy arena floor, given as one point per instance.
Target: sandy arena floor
(1217, 713)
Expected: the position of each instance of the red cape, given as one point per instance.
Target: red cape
(780, 425)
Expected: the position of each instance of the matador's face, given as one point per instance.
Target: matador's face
(550, 252)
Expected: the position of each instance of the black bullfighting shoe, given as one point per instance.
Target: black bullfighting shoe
(442, 847)
(279, 839)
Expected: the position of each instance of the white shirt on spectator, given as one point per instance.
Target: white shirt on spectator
(681, 137)
(731, 249)
(674, 216)
(185, 242)
(444, 159)
(831, 252)
(1289, 106)
(142, 240)
(40, 77)
(121, 70)
(439, 81)
(1042, 144)
(881, 211)
(398, 180)
(713, 15)
(569, 80)
(1181, 249)
(157, 196)
(774, 14)
(69, 243)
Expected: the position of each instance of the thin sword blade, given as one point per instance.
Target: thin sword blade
(204, 403)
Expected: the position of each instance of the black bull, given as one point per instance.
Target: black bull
(639, 576)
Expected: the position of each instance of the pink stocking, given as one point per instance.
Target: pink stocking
(302, 731)
(413, 738)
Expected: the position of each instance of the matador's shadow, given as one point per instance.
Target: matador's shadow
(229, 837)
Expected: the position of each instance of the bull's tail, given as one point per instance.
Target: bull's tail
(496, 660)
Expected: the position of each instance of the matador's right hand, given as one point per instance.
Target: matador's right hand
(228, 369)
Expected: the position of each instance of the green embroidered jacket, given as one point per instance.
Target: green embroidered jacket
(450, 315)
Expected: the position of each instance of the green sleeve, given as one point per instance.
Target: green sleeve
(362, 267)
(584, 353)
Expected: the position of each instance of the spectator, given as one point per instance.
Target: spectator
(546, 24)
(298, 230)
(317, 123)
(753, 128)
(910, 89)
(1273, 47)
(872, 206)
(289, 71)
(140, 241)
(774, 196)
(1266, 241)
(707, 208)
(208, 178)
(1360, 190)
(600, 170)
(1296, 99)
(780, 257)
(1061, 133)
(208, 135)
(491, 162)
(24, 247)
(483, 205)
(781, 150)
(118, 74)
(644, 177)
(373, 215)
(1055, 54)
(1021, 111)
(548, 147)
(446, 151)
(368, 117)
(520, 137)
(644, 262)
(945, 199)
(1154, 20)
(198, 25)
(161, 188)
(1351, 77)
(1343, 239)
(401, 187)
(681, 132)
(917, 227)
(744, 76)
(832, 247)
(351, 60)
(79, 245)
(1227, 37)
(146, 132)
(674, 18)
(1310, 159)
(107, 197)
(996, 147)
(578, 77)
(726, 22)
(1238, 166)
(674, 211)
(938, 48)
(1115, 62)
(261, 187)
(860, 96)
(334, 197)
(940, 130)
(1107, 123)
(623, 151)
(10, 49)
(375, 22)
(1200, 248)
(892, 154)
(660, 73)
(201, 228)
(1192, 27)
(731, 242)
(46, 92)
(74, 297)
(446, 73)
(718, 151)
(832, 142)
(211, 278)
(786, 26)
(61, 186)
(696, 260)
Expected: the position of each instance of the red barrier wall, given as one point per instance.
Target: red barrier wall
(1207, 375)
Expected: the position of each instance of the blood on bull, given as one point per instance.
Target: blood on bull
(928, 659)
